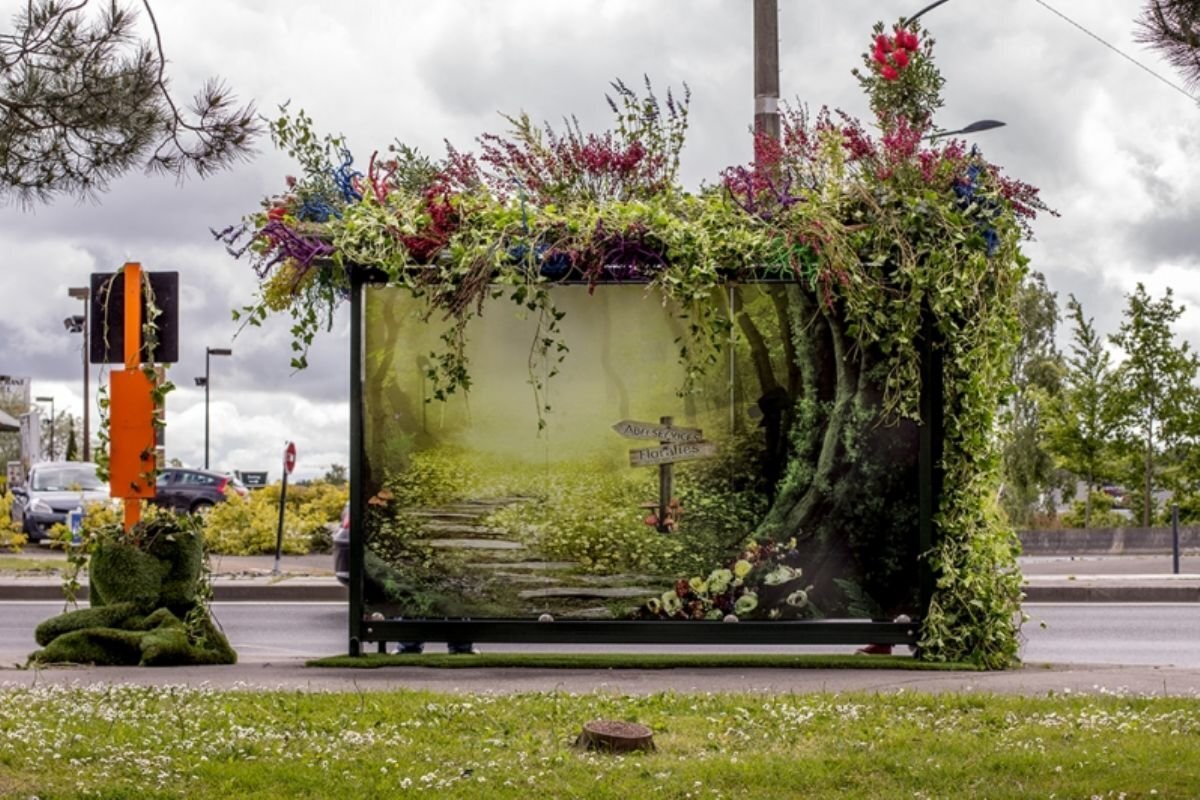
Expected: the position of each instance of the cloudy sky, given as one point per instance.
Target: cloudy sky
(1113, 148)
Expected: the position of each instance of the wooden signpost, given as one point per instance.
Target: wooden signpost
(674, 444)
(661, 432)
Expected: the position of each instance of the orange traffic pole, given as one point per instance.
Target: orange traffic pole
(133, 358)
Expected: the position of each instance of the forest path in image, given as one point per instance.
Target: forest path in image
(561, 588)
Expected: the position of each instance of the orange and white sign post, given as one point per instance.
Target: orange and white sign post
(132, 447)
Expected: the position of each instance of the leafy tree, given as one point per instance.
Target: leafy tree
(1080, 423)
(336, 475)
(84, 99)
(1173, 28)
(1156, 392)
(1029, 467)
(56, 437)
(72, 451)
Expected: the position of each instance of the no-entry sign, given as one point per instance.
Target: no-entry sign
(289, 457)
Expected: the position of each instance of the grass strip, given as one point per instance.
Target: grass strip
(32, 565)
(121, 741)
(634, 661)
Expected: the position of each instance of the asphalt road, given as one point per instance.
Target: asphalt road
(1092, 633)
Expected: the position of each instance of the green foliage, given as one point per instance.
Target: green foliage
(975, 615)
(591, 515)
(87, 100)
(1097, 512)
(1156, 395)
(1081, 420)
(249, 525)
(1037, 373)
(336, 475)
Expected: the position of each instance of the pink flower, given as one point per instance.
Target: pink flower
(900, 59)
(907, 40)
(883, 43)
(889, 73)
(880, 56)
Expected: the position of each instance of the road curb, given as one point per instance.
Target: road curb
(298, 591)
(1097, 593)
(282, 592)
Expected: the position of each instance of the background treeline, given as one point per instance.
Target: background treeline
(1104, 431)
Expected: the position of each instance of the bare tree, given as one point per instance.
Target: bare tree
(84, 99)
(1173, 27)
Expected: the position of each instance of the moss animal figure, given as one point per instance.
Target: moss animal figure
(146, 606)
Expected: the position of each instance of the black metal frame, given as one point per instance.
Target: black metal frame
(844, 631)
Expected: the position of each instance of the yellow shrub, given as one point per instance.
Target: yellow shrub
(11, 536)
(248, 525)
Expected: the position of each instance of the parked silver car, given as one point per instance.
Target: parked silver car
(54, 489)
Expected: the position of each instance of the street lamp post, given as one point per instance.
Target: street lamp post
(975, 127)
(79, 324)
(209, 352)
(910, 20)
(49, 400)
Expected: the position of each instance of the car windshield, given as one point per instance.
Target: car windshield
(66, 478)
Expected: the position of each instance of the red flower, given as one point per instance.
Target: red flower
(880, 56)
(883, 43)
(900, 59)
(889, 73)
(907, 40)
(276, 213)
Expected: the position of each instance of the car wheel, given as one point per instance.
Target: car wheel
(201, 507)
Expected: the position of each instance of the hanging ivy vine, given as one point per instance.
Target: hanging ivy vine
(874, 228)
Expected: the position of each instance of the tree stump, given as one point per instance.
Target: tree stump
(615, 737)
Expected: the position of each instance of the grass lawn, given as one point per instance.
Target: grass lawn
(633, 661)
(193, 742)
(32, 565)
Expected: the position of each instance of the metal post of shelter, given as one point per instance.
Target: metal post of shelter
(357, 464)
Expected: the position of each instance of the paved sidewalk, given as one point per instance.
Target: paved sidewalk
(1032, 679)
(1052, 579)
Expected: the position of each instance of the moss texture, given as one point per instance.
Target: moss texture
(146, 609)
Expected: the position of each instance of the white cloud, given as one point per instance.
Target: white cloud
(1113, 149)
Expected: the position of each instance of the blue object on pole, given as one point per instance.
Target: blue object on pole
(75, 523)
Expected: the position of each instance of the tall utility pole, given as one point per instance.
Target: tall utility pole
(84, 293)
(766, 67)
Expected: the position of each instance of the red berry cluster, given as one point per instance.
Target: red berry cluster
(891, 52)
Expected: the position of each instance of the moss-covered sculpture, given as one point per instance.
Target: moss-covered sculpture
(147, 597)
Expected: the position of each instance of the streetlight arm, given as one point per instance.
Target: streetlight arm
(904, 23)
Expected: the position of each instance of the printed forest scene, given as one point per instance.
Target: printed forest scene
(532, 492)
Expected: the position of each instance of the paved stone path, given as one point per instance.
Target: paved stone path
(555, 587)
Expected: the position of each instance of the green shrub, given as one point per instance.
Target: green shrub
(1103, 514)
(244, 526)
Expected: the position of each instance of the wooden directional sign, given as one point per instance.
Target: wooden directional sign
(670, 453)
(657, 431)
